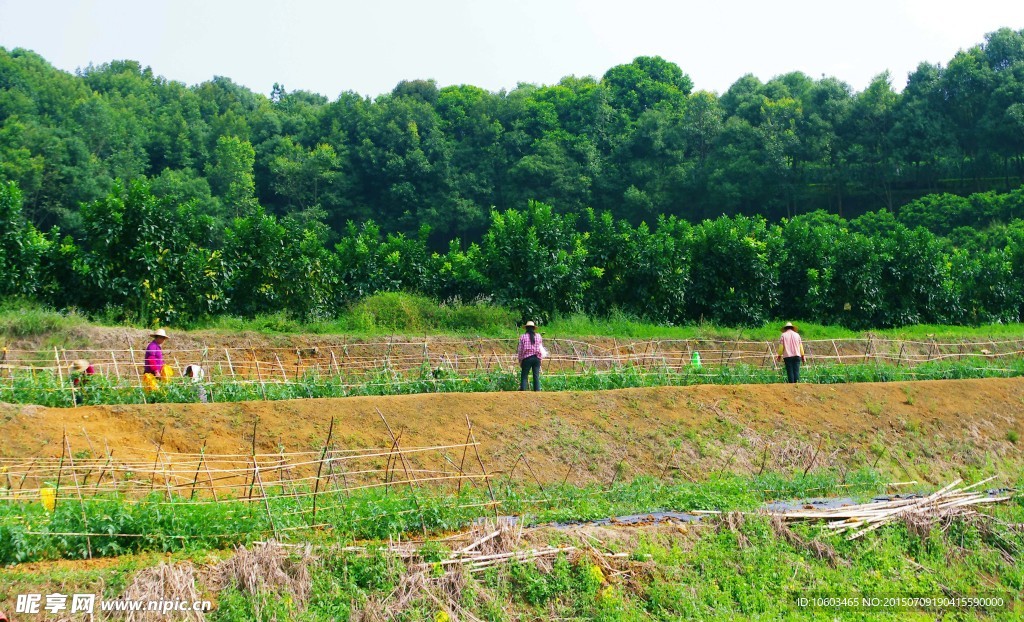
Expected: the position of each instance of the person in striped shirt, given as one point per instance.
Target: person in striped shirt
(791, 350)
(530, 354)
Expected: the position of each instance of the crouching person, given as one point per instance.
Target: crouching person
(80, 371)
(196, 374)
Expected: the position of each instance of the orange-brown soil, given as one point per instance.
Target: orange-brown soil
(918, 430)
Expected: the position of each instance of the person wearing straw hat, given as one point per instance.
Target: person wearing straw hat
(530, 353)
(80, 370)
(791, 351)
(153, 369)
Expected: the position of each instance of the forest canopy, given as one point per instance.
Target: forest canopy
(143, 198)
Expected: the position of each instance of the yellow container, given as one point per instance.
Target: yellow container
(48, 497)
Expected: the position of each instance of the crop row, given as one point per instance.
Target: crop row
(24, 387)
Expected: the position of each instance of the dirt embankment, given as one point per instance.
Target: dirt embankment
(924, 430)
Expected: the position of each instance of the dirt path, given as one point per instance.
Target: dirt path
(923, 430)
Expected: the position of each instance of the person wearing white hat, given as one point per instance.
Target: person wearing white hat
(530, 353)
(196, 374)
(154, 361)
(791, 350)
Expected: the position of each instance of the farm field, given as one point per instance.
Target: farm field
(554, 456)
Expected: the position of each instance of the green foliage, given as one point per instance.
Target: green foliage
(22, 247)
(165, 203)
(535, 261)
(148, 260)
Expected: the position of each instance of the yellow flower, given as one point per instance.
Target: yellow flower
(442, 616)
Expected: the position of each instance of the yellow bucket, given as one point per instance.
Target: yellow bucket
(48, 497)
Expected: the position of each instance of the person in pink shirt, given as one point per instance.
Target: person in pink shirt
(791, 350)
(530, 354)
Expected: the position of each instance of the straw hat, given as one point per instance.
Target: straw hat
(159, 333)
(530, 324)
(788, 325)
(79, 365)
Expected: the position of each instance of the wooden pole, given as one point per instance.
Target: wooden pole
(465, 448)
(405, 467)
(60, 469)
(255, 422)
(159, 445)
(135, 366)
(202, 458)
(81, 502)
(284, 376)
(266, 502)
(480, 461)
(60, 375)
(231, 368)
(320, 466)
(259, 375)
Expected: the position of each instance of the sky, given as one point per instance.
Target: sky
(368, 46)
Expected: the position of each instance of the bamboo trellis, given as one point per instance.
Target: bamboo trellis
(360, 361)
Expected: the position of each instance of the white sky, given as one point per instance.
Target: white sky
(368, 46)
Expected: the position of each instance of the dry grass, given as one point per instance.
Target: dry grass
(267, 567)
(733, 521)
(820, 550)
(164, 582)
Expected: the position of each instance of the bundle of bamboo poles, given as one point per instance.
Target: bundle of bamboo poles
(857, 520)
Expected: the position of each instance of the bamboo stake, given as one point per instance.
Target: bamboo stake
(110, 459)
(483, 469)
(316, 489)
(231, 367)
(408, 478)
(159, 445)
(259, 375)
(60, 375)
(202, 457)
(284, 376)
(81, 502)
(60, 471)
(209, 476)
(462, 464)
(255, 422)
(135, 366)
(266, 501)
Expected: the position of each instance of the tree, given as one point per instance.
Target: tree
(21, 247)
(231, 175)
(535, 261)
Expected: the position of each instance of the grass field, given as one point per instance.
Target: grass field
(397, 313)
(743, 565)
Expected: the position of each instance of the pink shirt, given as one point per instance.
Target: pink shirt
(527, 349)
(791, 344)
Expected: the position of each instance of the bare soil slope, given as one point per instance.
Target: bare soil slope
(924, 430)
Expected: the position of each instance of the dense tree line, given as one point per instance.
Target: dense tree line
(639, 142)
(148, 259)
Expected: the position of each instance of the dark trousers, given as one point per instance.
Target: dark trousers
(525, 365)
(792, 368)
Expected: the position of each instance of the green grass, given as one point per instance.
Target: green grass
(20, 319)
(712, 571)
(401, 313)
(28, 531)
